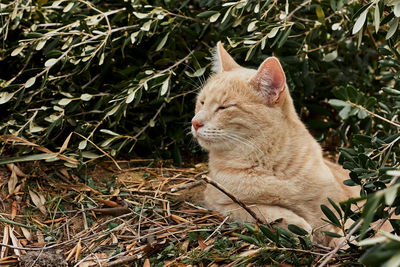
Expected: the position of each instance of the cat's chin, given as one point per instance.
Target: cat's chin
(206, 144)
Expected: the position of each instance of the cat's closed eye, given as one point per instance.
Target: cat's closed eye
(225, 107)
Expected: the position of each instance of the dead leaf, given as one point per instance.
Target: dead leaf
(64, 172)
(201, 243)
(185, 245)
(70, 254)
(23, 242)
(5, 241)
(65, 144)
(12, 167)
(15, 242)
(178, 219)
(146, 263)
(27, 234)
(38, 200)
(12, 182)
(40, 237)
(114, 239)
(78, 250)
(108, 202)
(249, 253)
(14, 208)
(56, 220)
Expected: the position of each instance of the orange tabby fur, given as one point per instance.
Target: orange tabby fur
(260, 151)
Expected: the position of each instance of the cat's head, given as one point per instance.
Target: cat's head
(237, 104)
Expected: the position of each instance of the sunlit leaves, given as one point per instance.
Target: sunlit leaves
(5, 97)
(393, 25)
(30, 82)
(50, 62)
(360, 22)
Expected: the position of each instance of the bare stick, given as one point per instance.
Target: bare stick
(329, 255)
(234, 199)
(122, 260)
(374, 115)
(217, 229)
(186, 186)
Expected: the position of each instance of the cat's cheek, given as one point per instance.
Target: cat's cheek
(204, 144)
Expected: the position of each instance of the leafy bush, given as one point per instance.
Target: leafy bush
(123, 73)
(121, 76)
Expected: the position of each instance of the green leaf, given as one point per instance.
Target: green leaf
(393, 24)
(17, 50)
(360, 22)
(269, 234)
(390, 194)
(162, 43)
(345, 112)
(86, 97)
(90, 155)
(248, 239)
(5, 97)
(377, 18)
(82, 144)
(368, 212)
(197, 73)
(330, 56)
(331, 234)
(372, 241)
(215, 17)
(336, 207)
(30, 82)
(64, 101)
(207, 14)
(297, 230)
(27, 158)
(68, 7)
(338, 103)
(330, 215)
(50, 62)
(284, 37)
(164, 87)
(391, 91)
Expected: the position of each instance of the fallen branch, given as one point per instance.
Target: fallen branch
(329, 255)
(186, 186)
(122, 260)
(234, 199)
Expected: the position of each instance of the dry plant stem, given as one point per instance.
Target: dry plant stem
(297, 8)
(374, 115)
(329, 255)
(217, 229)
(234, 199)
(121, 261)
(101, 150)
(186, 186)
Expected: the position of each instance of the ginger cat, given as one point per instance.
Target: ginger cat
(260, 151)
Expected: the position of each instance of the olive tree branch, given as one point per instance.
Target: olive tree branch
(234, 199)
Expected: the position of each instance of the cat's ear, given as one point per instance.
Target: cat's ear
(270, 80)
(222, 60)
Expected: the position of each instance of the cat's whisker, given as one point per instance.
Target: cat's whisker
(247, 143)
(201, 78)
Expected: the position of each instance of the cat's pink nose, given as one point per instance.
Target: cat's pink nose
(197, 124)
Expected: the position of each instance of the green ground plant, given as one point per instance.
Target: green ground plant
(81, 80)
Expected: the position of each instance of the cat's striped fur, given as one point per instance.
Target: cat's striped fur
(259, 149)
